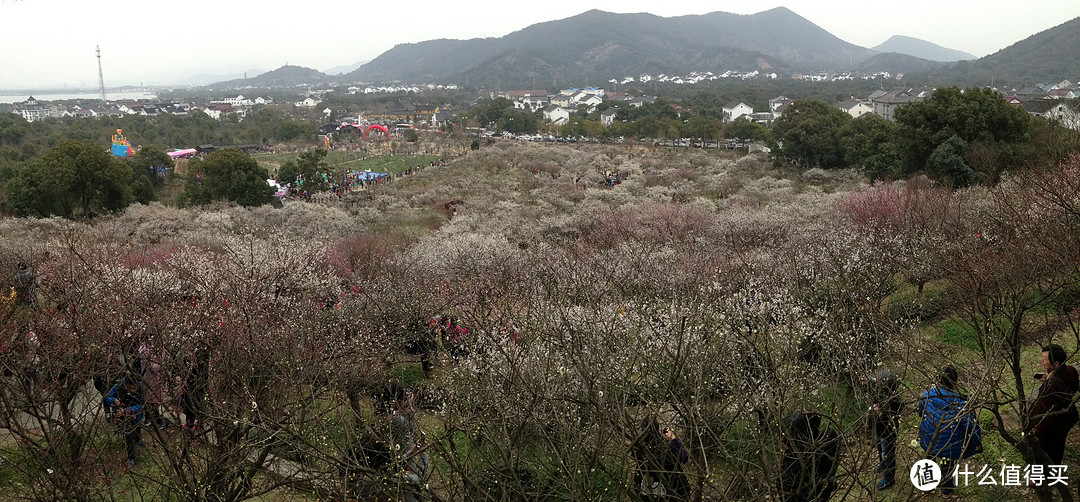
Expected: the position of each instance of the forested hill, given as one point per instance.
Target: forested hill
(607, 45)
(1047, 56)
(596, 46)
(286, 76)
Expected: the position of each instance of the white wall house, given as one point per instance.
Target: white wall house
(531, 103)
(608, 117)
(599, 91)
(31, 110)
(562, 100)
(307, 102)
(1055, 110)
(736, 110)
(238, 101)
(129, 107)
(1065, 115)
(589, 101)
(556, 114)
(855, 108)
(778, 102)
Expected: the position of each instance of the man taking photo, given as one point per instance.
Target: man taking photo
(1053, 412)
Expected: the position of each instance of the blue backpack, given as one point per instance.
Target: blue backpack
(947, 429)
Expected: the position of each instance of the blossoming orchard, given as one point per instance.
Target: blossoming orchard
(510, 325)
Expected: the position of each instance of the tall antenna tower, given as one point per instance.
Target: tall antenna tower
(100, 76)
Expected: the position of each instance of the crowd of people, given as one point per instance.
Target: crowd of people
(340, 185)
(392, 450)
(949, 431)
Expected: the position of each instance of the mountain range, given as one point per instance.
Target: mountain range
(337, 70)
(608, 45)
(922, 49)
(596, 46)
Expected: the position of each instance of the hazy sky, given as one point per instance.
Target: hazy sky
(50, 43)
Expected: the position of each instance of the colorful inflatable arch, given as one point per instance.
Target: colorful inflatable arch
(385, 131)
(121, 147)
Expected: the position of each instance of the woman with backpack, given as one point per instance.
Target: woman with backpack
(950, 430)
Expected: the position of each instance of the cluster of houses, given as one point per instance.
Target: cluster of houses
(1055, 102)
(32, 109)
(384, 89)
(1059, 102)
(557, 108)
(696, 77)
(407, 111)
(1051, 101)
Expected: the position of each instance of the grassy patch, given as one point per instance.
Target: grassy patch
(906, 303)
(408, 374)
(958, 333)
(392, 164)
(11, 477)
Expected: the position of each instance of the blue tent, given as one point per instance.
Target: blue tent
(369, 176)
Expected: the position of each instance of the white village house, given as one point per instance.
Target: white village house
(607, 117)
(855, 108)
(1055, 110)
(556, 114)
(735, 110)
(236, 102)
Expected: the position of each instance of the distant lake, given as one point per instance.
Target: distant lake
(7, 99)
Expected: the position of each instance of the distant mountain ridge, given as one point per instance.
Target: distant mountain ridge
(922, 49)
(596, 46)
(895, 63)
(286, 76)
(337, 70)
(607, 45)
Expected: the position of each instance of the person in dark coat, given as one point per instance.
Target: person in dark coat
(1053, 413)
(884, 418)
(25, 285)
(659, 456)
(810, 458)
(126, 402)
(397, 427)
(193, 398)
(676, 457)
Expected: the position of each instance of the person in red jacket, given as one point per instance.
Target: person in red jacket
(1053, 413)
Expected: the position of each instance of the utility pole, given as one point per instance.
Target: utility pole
(100, 76)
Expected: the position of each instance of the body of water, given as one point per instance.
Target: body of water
(8, 98)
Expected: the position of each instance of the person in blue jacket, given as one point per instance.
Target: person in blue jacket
(949, 431)
(125, 400)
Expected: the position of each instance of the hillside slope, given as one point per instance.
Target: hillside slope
(608, 45)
